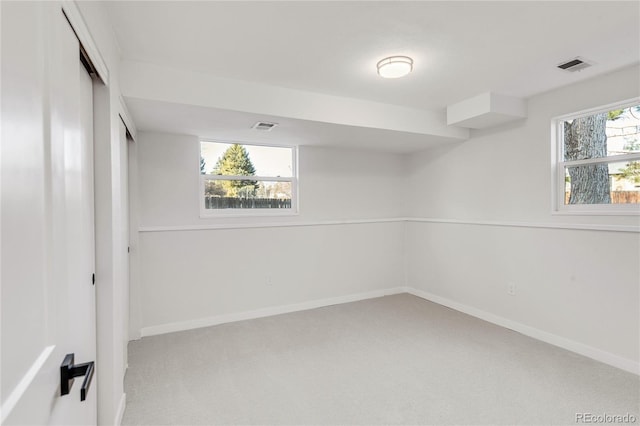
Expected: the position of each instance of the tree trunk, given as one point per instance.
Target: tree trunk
(586, 138)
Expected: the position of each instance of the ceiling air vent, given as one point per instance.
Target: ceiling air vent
(264, 126)
(575, 64)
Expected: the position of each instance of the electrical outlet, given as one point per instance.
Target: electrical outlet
(268, 281)
(511, 289)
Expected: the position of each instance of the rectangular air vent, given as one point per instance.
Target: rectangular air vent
(575, 64)
(264, 125)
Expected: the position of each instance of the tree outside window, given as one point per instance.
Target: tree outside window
(601, 157)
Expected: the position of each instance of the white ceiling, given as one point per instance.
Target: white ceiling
(460, 49)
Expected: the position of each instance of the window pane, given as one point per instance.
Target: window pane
(241, 194)
(623, 133)
(245, 160)
(612, 183)
(602, 135)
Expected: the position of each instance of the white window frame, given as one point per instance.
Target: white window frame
(558, 166)
(215, 213)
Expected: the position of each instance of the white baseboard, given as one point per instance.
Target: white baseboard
(562, 342)
(265, 312)
(121, 406)
(553, 339)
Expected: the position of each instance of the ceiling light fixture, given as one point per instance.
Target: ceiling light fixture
(395, 66)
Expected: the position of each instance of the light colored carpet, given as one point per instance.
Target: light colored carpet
(393, 360)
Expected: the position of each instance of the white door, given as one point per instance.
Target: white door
(48, 295)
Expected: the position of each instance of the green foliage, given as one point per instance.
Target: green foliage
(615, 114)
(235, 161)
(631, 172)
(203, 166)
(633, 145)
(213, 188)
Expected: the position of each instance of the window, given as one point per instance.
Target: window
(247, 179)
(598, 160)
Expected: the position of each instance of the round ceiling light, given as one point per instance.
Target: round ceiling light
(395, 66)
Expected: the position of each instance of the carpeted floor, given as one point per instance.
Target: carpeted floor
(393, 360)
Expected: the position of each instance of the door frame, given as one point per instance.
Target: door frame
(109, 109)
(80, 28)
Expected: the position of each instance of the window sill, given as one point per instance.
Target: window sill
(628, 210)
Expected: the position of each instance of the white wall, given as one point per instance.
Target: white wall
(334, 184)
(188, 275)
(339, 184)
(579, 285)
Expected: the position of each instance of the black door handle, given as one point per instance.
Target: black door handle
(69, 370)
